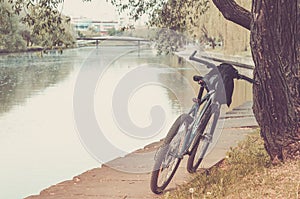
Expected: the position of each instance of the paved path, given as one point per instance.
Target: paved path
(105, 182)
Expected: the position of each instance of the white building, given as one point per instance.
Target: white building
(84, 24)
(81, 23)
(103, 27)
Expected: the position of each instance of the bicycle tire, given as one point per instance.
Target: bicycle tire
(200, 143)
(163, 154)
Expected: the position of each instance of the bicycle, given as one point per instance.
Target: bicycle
(192, 132)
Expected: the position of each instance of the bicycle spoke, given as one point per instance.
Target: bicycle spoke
(166, 172)
(201, 144)
(168, 157)
(204, 141)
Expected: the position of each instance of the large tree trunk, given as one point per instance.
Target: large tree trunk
(275, 34)
(275, 49)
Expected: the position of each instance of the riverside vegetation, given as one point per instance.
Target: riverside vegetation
(33, 28)
(246, 172)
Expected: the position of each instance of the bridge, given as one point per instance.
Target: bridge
(114, 38)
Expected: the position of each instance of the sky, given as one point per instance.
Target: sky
(96, 9)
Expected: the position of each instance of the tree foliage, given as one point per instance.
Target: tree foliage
(168, 41)
(176, 15)
(10, 38)
(43, 25)
(174, 18)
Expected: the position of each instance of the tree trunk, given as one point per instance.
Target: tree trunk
(276, 53)
(275, 34)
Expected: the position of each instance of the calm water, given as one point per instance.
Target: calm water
(41, 142)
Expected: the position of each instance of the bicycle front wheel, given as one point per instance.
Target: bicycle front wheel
(168, 157)
(202, 140)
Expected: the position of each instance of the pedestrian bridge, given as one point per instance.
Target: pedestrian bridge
(114, 38)
(84, 40)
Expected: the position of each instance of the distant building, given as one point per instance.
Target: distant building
(83, 24)
(103, 27)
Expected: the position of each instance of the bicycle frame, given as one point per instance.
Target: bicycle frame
(192, 132)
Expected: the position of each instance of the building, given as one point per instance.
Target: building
(81, 23)
(103, 27)
(84, 24)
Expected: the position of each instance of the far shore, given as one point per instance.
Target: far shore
(60, 49)
(31, 49)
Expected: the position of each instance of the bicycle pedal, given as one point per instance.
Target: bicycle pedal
(196, 100)
(208, 138)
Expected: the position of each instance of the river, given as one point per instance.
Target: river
(62, 114)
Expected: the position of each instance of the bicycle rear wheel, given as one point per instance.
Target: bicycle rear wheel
(168, 157)
(202, 140)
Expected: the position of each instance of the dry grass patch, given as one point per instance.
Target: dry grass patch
(245, 173)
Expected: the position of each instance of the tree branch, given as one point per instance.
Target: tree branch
(234, 12)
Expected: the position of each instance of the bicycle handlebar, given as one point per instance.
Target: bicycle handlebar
(208, 64)
(211, 65)
(248, 79)
(193, 55)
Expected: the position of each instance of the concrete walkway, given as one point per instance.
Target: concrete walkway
(110, 183)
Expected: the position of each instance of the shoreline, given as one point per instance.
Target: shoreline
(111, 181)
(57, 49)
(32, 49)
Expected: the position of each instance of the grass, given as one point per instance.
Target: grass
(246, 172)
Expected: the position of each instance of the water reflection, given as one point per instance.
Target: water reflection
(38, 143)
(166, 85)
(22, 75)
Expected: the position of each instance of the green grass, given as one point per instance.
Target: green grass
(246, 172)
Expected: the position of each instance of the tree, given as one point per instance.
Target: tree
(10, 36)
(174, 19)
(47, 26)
(274, 28)
(26, 36)
(208, 38)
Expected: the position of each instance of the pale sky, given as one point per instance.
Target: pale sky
(96, 9)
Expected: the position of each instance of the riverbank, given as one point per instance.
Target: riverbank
(33, 49)
(110, 181)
